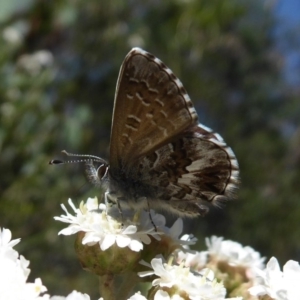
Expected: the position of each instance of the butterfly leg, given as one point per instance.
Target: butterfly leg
(120, 210)
(106, 197)
(149, 212)
(110, 198)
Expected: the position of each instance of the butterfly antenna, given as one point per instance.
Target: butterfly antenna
(87, 158)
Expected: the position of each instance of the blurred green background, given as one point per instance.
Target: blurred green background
(59, 62)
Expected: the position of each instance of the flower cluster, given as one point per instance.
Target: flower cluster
(14, 273)
(234, 253)
(225, 268)
(108, 229)
(277, 284)
(176, 280)
(109, 244)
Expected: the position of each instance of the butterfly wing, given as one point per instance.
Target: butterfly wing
(158, 150)
(196, 168)
(151, 107)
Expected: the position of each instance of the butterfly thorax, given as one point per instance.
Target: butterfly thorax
(129, 188)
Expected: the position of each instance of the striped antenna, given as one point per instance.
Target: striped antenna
(87, 158)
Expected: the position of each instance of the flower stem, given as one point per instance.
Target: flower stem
(106, 286)
(129, 281)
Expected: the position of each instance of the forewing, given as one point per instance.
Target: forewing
(151, 107)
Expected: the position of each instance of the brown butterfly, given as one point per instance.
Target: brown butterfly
(160, 155)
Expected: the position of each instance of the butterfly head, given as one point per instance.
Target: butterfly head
(97, 175)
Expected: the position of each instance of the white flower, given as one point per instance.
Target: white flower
(100, 227)
(14, 273)
(234, 254)
(159, 220)
(73, 296)
(34, 63)
(198, 286)
(277, 284)
(162, 295)
(168, 275)
(6, 244)
(12, 35)
(15, 34)
(137, 296)
(194, 260)
(291, 273)
(189, 239)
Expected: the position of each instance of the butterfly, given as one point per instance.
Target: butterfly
(161, 157)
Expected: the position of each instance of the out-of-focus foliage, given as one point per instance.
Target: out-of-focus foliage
(59, 63)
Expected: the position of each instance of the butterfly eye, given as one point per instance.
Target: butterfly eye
(102, 171)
